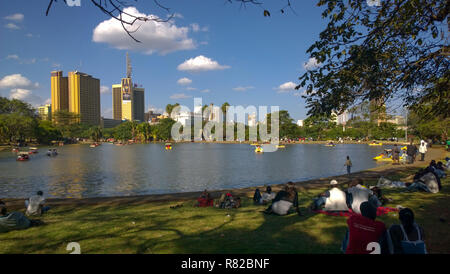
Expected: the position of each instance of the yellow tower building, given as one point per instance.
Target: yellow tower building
(84, 97)
(60, 91)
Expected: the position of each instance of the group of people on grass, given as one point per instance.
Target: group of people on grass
(34, 206)
(361, 204)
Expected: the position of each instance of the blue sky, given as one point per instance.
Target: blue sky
(228, 53)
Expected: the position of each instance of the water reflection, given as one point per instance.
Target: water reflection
(109, 170)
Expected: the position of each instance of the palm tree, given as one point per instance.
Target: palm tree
(170, 107)
(96, 133)
(144, 130)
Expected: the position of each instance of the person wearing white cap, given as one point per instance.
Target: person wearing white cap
(333, 199)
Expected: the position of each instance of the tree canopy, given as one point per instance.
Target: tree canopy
(397, 50)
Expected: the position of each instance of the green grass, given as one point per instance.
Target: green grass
(156, 228)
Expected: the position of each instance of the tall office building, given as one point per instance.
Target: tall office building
(84, 97)
(128, 99)
(78, 93)
(60, 91)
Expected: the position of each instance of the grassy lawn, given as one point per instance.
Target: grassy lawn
(156, 228)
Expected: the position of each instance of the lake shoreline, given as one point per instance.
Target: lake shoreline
(369, 174)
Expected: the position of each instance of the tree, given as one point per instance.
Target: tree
(316, 126)
(398, 49)
(287, 127)
(164, 128)
(46, 132)
(434, 128)
(96, 133)
(170, 107)
(144, 131)
(123, 131)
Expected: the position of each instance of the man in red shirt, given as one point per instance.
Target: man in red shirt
(362, 230)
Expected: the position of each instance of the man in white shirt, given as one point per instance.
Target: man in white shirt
(35, 204)
(422, 149)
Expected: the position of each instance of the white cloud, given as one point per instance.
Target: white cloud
(178, 15)
(286, 87)
(298, 94)
(205, 90)
(13, 56)
(243, 88)
(191, 88)
(17, 81)
(30, 35)
(28, 61)
(311, 64)
(25, 95)
(200, 63)
(48, 101)
(56, 65)
(18, 17)
(184, 81)
(196, 27)
(104, 90)
(180, 96)
(161, 37)
(12, 26)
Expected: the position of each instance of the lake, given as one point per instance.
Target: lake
(110, 170)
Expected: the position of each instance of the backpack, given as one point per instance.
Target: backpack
(413, 247)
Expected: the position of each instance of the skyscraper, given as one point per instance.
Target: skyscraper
(84, 97)
(60, 91)
(78, 93)
(128, 99)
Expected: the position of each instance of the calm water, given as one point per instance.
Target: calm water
(109, 170)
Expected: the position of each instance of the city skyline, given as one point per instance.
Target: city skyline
(194, 61)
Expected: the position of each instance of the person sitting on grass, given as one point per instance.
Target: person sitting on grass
(333, 199)
(359, 194)
(440, 166)
(35, 204)
(267, 196)
(378, 199)
(204, 200)
(425, 180)
(284, 201)
(227, 201)
(408, 237)
(447, 163)
(438, 169)
(364, 229)
(263, 199)
(14, 220)
(257, 197)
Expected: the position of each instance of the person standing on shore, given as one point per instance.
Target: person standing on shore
(348, 163)
(395, 155)
(422, 150)
(411, 151)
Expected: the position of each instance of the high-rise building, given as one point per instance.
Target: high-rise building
(45, 112)
(60, 91)
(84, 97)
(128, 99)
(78, 93)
